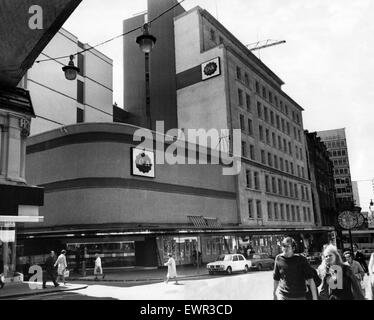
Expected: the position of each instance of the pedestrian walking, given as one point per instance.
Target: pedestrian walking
(98, 270)
(371, 276)
(338, 280)
(61, 266)
(360, 257)
(49, 270)
(2, 283)
(291, 273)
(172, 269)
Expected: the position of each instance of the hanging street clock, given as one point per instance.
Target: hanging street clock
(348, 220)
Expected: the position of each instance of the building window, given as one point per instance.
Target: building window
(290, 148)
(275, 162)
(274, 185)
(80, 115)
(257, 180)
(270, 211)
(249, 179)
(250, 209)
(288, 212)
(212, 35)
(281, 164)
(244, 149)
(267, 134)
(263, 160)
(238, 73)
(266, 114)
(81, 64)
(270, 160)
(261, 132)
(220, 40)
(270, 97)
(259, 110)
(259, 209)
(272, 118)
(267, 183)
(283, 125)
(304, 214)
(282, 211)
(246, 79)
(309, 215)
(296, 191)
(280, 189)
(264, 92)
(257, 87)
(285, 188)
(290, 189)
(292, 171)
(278, 122)
(242, 125)
(276, 216)
(252, 152)
(279, 143)
(293, 216)
(250, 127)
(274, 139)
(80, 92)
(248, 102)
(240, 97)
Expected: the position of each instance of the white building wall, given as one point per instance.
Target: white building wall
(55, 99)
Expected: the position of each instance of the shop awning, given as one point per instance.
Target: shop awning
(205, 222)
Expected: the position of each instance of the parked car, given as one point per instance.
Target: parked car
(261, 261)
(229, 263)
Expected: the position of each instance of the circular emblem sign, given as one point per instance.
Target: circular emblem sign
(143, 163)
(347, 220)
(210, 68)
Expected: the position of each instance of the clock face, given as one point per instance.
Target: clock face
(347, 220)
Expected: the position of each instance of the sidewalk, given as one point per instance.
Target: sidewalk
(139, 274)
(21, 289)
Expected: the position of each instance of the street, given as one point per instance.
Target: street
(251, 286)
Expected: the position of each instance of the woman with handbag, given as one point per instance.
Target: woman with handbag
(61, 266)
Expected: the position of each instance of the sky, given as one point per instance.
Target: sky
(326, 63)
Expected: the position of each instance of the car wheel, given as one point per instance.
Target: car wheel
(246, 269)
(259, 267)
(229, 270)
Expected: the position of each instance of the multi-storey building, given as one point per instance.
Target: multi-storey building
(321, 173)
(219, 84)
(336, 143)
(58, 102)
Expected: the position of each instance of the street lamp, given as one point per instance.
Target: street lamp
(146, 41)
(70, 70)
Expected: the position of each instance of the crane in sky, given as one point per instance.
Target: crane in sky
(264, 44)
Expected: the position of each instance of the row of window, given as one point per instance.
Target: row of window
(343, 190)
(276, 211)
(285, 188)
(343, 181)
(283, 164)
(340, 162)
(335, 144)
(266, 94)
(341, 171)
(276, 121)
(338, 153)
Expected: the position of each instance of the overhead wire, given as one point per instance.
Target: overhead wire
(114, 38)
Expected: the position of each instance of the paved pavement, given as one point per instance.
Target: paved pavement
(20, 289)
(142, 274)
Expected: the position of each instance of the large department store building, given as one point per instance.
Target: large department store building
(198, 76)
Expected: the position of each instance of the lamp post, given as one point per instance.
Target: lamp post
(146, 43)
(70, 70)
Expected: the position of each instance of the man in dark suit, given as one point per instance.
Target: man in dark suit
(359, 257)
(49, 270)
